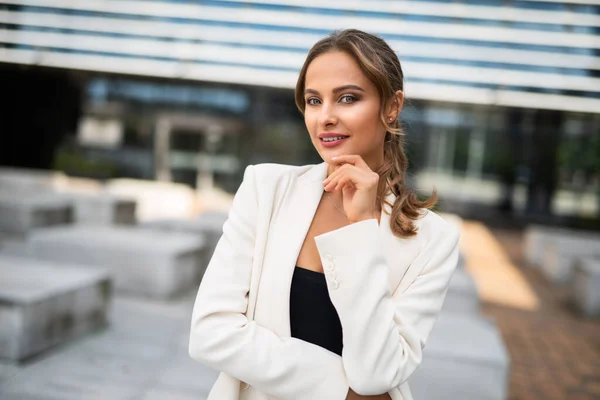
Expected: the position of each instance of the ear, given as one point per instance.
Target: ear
(395, 106)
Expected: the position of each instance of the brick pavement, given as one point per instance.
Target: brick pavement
(555, 352)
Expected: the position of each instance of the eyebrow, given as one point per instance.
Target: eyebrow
(337, 89)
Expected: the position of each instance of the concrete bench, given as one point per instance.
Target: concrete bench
(462, 296)
(462, 262)
(103, 209)
(43, 304)
(464, 358)
(209, 225)
(26, 181)
(156, 200)
(586, 286)
(20, 214)
(561, 254)
(142, 262)
(15, 245)
(537, 237)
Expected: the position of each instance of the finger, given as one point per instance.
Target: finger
(342, 182)
(334, 179)
(329, 186)
(353, 159)
(350, 177)
(335, 174)
(362, 178)
(331, 182)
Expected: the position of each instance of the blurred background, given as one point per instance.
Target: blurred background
(129, 123)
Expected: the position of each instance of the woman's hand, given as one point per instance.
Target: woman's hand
(358, 184)
(352, 395)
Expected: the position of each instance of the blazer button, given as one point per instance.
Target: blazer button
(335, 284)
(329, 266)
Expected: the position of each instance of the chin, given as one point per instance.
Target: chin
(328, 156)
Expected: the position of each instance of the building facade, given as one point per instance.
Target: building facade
(503, 96)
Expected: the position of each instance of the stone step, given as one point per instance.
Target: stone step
(142, 262)
(562, 253)
(462, 262)
(21, 213)
(208, 224)
(586, 286)
(462, 296)
(103, 209)
(537, 237)
(43, 304)
(15, 246)
(156, 200)
(28, 181)
(464, 358)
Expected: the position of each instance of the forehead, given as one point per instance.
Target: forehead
(334, 69)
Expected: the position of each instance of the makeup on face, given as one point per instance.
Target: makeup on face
(342, 109)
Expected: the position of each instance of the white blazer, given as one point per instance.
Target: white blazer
(387, 291)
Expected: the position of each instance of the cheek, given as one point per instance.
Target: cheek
(310, 121)
(365, 117)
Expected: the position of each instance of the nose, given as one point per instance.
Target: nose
(327, 116)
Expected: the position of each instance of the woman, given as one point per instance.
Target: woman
(328, 278)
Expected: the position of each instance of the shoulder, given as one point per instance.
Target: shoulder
(432, 227)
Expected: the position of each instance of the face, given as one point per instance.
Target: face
(343, 108)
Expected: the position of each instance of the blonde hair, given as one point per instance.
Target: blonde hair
(381, 66)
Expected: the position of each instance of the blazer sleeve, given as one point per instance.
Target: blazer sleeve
(384, 333)
(223, 338)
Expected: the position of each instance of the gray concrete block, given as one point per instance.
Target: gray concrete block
(462, 261)
(562, 253)
(533, 244)
(142, 262)
(103, 209)
(209, 225)
(11, 244)
(43, 304)
(586, 286)
(462, 296)
(464, 358)
(24, 181)
(156, 200)
(537, 237)
(20, 214)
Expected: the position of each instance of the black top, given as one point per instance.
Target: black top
(312, 315)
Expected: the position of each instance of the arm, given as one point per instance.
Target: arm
(224, 339)
(384, 334)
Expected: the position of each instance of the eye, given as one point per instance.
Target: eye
(312, 101)
(348, 98)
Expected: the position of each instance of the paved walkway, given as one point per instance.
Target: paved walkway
(142, 355)
(555, 353)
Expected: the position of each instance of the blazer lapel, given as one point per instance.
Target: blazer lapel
(293, 221)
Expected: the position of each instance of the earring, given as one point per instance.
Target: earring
(391, 118)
